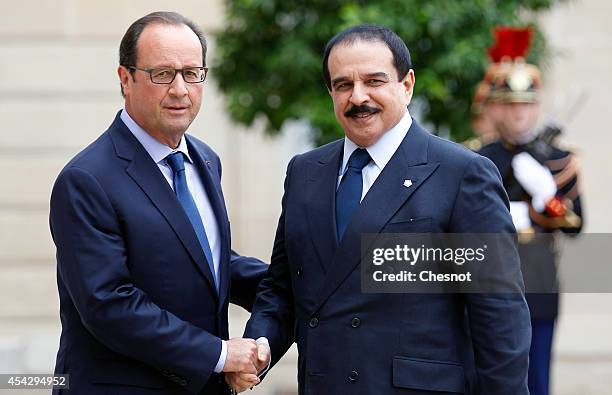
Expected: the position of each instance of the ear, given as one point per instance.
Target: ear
(124, 78)
(408, 83)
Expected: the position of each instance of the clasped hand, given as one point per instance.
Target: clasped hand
(245, 359)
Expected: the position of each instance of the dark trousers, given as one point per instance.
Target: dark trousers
(539, 356)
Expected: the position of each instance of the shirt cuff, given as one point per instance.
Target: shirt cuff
(221, 363)
(264, 341)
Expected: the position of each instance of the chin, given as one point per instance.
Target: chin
(175, 128)
(364, 138)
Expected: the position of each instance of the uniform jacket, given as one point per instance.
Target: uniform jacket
(539, 256)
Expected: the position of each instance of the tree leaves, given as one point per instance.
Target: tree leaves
(270, 53)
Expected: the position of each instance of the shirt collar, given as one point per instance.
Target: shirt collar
(156, 150)
(381, 151)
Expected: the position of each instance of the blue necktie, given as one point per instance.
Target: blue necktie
(177, 163)
(348, 195)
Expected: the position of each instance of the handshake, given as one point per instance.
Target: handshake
(245, 360)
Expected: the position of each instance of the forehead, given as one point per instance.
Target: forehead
(361, 57)
(168, 45)
(517, 106)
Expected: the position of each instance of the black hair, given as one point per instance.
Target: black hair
(366, 32)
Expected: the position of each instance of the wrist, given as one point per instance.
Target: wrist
(222, 358)
(264, 369)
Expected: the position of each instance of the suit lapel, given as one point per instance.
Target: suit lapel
(321, 198)
(146, 174)
(207, 170)
(383, 200)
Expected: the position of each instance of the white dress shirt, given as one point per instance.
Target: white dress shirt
(158, 153)
(380, 152)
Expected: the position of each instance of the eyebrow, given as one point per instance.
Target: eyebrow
(339, 79)
(379, 74)
(168, 66)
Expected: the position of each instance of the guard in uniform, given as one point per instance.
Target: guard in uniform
(542, 183)
(482, 125)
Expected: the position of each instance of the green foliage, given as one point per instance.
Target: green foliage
(270, 53)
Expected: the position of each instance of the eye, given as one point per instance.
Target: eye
(374, 82)
(343, 86)
(163, 73)
(191, 74)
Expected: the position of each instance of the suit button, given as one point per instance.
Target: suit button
(355, 322)
(299, 271)
(314, 322)
(354, 376)
(183, 383)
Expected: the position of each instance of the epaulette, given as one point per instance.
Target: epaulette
(476, 143)
(564, 145)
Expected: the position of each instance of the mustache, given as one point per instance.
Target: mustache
(364, 108)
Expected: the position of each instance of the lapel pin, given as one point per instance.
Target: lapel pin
(208, 164)
(407, 183)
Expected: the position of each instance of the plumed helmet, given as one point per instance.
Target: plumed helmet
(511, 79)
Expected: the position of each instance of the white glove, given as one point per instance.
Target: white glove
(535, 179)
(520, 215)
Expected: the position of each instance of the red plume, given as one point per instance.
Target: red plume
(510, 41)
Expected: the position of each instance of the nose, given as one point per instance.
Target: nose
(178, 87)
(359, 95)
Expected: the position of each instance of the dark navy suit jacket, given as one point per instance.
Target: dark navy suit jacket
(351, 342)
(139, 309)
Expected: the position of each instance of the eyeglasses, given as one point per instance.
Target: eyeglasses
(193, 75)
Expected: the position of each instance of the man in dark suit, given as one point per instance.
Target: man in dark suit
(387, 175)
(145, 267)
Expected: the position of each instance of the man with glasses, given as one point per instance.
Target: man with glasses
(144, 263)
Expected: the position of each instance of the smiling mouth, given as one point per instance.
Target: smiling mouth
(362, 112)
(363, 115)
